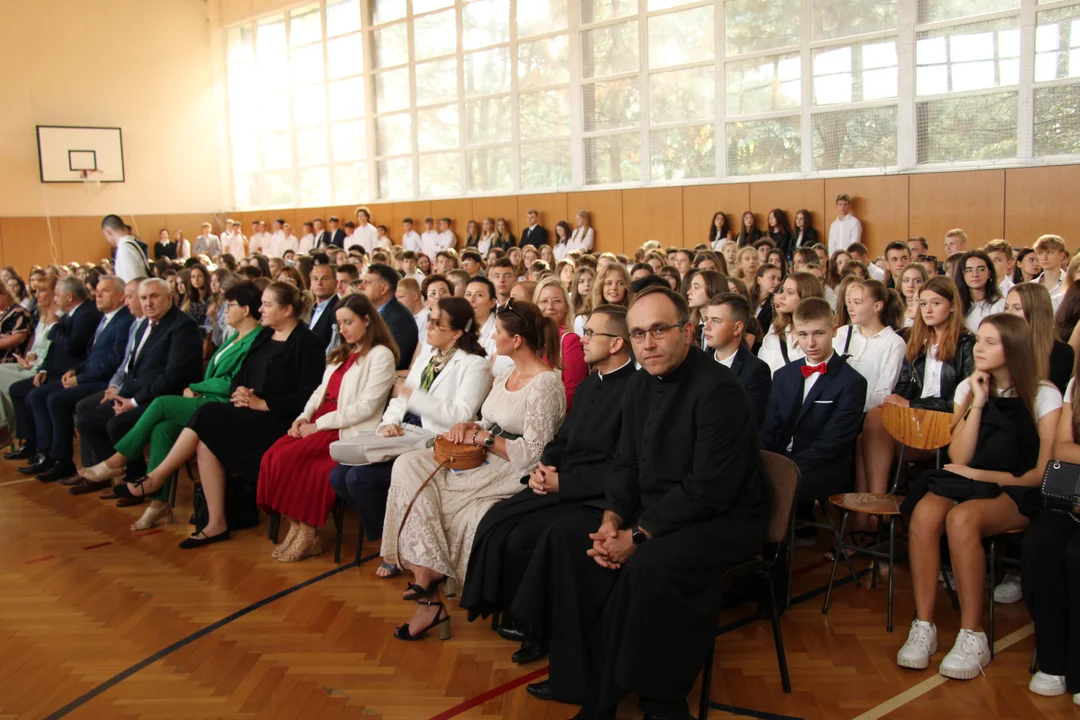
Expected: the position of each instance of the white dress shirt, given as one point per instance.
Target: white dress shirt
(447, 240)
(130, 261)
(1005, 286)
(485, 244)
(257, 243)
(875, 272)
(365, 237)
(877, 358)
(1047, 398)
(931, 386)
(274, 242)
(559, 252)
(278, 245)
(411, 241)
(979, 310)
(581, 239)
(770, 349)
(429, 243)
(306, 243)
(843, 232)
(233, 244)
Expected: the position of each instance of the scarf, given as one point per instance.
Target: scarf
(434, 367)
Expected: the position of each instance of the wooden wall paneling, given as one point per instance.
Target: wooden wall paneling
(880, 203)
(701, 202)
(791, 197)
(79, 239)
(459, 212)
(246, 218)
(651, 214)
(191, 223)
(26, 242)
(416, 210)
(1040, 201)
(973, 201)
(552, 208)
(147, 227)
(505, 207)
(605, 210)
(381, 214)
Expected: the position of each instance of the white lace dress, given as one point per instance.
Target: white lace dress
(440, 530)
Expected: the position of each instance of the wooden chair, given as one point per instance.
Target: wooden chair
(783, 478)
(911, 427)
(338, 514)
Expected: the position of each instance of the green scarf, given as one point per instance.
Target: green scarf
(434, 367)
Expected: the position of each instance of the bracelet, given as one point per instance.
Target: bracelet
(472, 441)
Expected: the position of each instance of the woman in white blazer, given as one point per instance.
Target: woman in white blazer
(358, 379)
(446, 386)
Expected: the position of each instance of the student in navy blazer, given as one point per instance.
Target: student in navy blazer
(816, 406)
(726, 318)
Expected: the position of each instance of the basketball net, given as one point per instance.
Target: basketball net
(91, 179)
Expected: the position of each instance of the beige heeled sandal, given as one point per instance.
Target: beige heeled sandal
(301, 549)
(290, 537)
(101, 471)
(151, 516)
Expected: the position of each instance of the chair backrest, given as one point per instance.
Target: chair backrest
(918, 428)
(783, 477)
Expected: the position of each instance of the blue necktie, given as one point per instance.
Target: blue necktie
(100, 327)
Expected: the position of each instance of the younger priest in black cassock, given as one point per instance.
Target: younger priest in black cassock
(572, 469)
(628, 601)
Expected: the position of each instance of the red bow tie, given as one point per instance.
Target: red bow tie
(808, 370)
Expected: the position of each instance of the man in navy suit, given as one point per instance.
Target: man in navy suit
(53, 404)
(70, 343)
(379, 284)
(167, 358)
(726, 319)
(816, 406)
(324, 288)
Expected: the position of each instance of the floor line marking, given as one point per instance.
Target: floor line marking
(95, 546)
(17, 482)
(490, 694)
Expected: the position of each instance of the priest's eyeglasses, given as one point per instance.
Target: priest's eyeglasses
(658, 332)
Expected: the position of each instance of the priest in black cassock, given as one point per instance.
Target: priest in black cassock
(573, 469)
(628, 596)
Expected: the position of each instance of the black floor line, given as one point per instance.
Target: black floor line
(747, 712)
(125, 674)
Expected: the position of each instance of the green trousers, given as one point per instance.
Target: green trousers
(159, 427)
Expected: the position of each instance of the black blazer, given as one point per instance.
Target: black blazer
(756, 379)
(170, 360)
(953, 372)
(402, 326)
(784, 240)
(510, 242)
(291, 374)
(165, 250)
(70, 339)
(324, 326)
(338, 238)
(537, 236)
(1061, 365)
(107, 352)
(809, 237)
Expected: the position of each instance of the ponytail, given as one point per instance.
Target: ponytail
(540, 333)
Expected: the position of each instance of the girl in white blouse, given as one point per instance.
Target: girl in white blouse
(779, 346)
(977, 281)
(912, 279)
(583, 236)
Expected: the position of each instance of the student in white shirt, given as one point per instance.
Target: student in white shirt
(861, 255)
(233, 241)
(183, 245)
(583, 236)
(257, 241)
(273, 243)
(307, 242)
(897, 257)
(779, 347)
(410, 239)
(1001, 254)
(976, 280)
(480, 292)
(562, 239)
(365, 235)
(130, 260)
(955, 242)
(382, 238)
(447, 240)
(287, 241)
(1050, 250)
(488, 237)
(846, 228)
(429, 239)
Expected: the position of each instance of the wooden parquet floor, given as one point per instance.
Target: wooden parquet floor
(90, 614)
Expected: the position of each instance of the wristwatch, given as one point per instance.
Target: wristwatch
(638, 536)
(489, 441)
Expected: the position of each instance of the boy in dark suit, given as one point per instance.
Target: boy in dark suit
(815, 407)
(726, 318)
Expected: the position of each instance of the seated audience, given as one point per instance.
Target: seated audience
(1050, 250)
(380, 283)
(870, 343)
(550, 296)
(727, 318)
(323, 310)
(779, 347)
(977, 282)
(15, 321)
(913, 277)
(1053, 358)
(610, 287)
(26, 366)
(700, 286)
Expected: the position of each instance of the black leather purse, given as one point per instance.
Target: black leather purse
(1061, 485)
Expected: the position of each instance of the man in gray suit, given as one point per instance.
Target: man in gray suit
(208, 243)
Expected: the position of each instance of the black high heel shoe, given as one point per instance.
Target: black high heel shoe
(122, 491)
(419, 592)
(442, 619)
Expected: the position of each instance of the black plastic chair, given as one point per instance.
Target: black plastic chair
(338, 515)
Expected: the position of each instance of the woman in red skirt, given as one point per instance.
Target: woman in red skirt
(295, 471)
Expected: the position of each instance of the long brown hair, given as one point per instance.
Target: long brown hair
(921, 337)
(892, 306)
(459, 315)
(539, 333)
(808, 285)
(377, 331)
(1019, 359)
(1039, 313)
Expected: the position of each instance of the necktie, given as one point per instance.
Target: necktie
(100, 327)
(808, 370)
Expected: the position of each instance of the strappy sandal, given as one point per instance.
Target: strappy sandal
(392, 571)
(418, 592)
(122, 491)
(442, 619)
(294, 530)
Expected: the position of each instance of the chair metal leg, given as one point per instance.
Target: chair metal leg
(338, 513)
(275, 525)
(990, 592)
(706, 683)
(495, 620)
(892, 570)
(174, 480)
(1034, 662)
(877, 542)
(778, 638)
(359, 539)
(790, 560)
(835, 562)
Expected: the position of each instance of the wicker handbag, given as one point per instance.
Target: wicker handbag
(449, 455)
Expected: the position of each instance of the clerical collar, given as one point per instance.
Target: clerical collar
(616, 371)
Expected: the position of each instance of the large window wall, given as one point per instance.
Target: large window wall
(341, 101)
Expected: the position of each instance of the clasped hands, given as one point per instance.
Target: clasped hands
(544, 479)
(301, 428)
(246, 397)
(612, 547)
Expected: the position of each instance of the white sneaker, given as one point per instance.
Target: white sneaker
(921, 644)
(1047, 685)
(967, 658)
(942, 574)
(1008, 591)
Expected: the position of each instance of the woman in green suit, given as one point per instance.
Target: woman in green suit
(162, 422)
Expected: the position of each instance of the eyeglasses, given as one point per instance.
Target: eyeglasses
(589, 333)
(658, 332)
(927, 258)
(977, 270)
(434, 324)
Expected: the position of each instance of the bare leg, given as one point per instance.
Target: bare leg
(425, 577)
(116, 461)
(182, 450)
(857, 521)
(966, 525)
(212, 476)
(924, 551)
(879, 448)
(424, 615)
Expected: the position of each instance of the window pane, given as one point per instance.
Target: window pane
(488, 120)
(968, 57)
(349, 140)
(665, 4)
(309, 105)
(536, 17)
(600, 10)
(305, 25)
(240, 44)
(245, 192)
(612, 159)
(345, 56)
(306, 64)
(854, 138)
(393, 134)
(544, 62)
(546, 165)
(271, 35)
(245, 152)
(391, 45)
(969, 128)
(938, 10)
(1057, 44)
(423, 6)
(311, 146)
(437, 128)
(383, 11)
(683, 37)
(342, 16)
(279, 189)
(544, 114)
(682, 95)
(680, 153)
(276, 151)
(436, 82)
(347, 99)
(243, 97)
(350, 182)
(314, 186)
(395, 178)
(855, 73)
(609, 50)
(440, 174)
(274, 111)
(487, 72)
(761, 147)
(435, 34)
(1057, 122)
(273, 73)
(611, 104)
(837, 19)
(486, 22)
(753, 25)
(392, 90)
(489, 170)
(764, 85)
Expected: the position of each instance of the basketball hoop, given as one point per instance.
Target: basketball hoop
(91, 179)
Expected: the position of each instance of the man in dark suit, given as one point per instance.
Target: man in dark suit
(322, 235)
(815, 407)
(337, 235)
(380, 284)
(53, 405)
(167, 358)
(534, 233)
(726, 319)
(70, 343)
(324, 288)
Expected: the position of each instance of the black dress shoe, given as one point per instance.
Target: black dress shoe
(531, 650)
(540, 690)
(510, 631)
(38, 464)
(23, 453)
(58, 471)
(200, 539)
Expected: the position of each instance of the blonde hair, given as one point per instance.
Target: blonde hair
(596, 296)
(1050, 242)
(552, 281)
(1039, 313)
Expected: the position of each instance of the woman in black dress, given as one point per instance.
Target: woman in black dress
(282, 370)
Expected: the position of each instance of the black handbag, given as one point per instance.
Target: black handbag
(1061, 485)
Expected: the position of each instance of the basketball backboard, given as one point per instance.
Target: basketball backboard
(64, 153)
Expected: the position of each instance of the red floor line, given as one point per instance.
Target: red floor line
(490, 694)
(41, 559)
(98, 545)
(149, 533)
